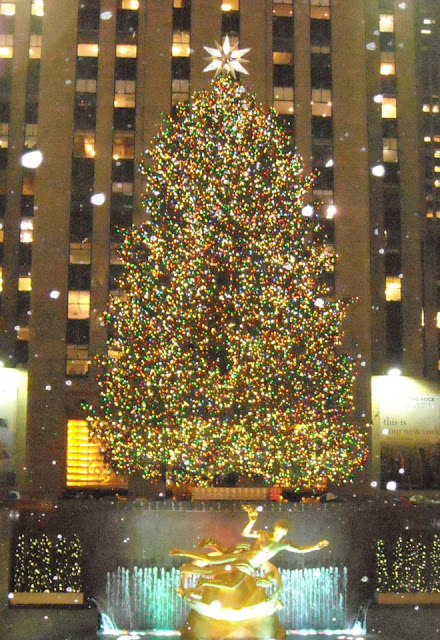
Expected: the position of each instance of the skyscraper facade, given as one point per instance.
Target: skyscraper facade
(87, 83)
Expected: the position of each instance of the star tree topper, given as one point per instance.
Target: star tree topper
(226, 59)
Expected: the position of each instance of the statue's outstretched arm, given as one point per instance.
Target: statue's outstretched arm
(252, 515)
(319, 545)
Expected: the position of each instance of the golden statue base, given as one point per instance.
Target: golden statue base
(240, 602)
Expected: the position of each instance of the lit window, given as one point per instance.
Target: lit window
(1, 279)
(123, 146)
(4, 132)
(389, 108)
(179, 91)
(321, 102)
(26, 230)
(283, 100)
(24, 283)
(320, 9)
(85, 86)
(77, 361)
(6, 46)
(35, 46)
(230, 5)
(427, 139)
(78, 305)
(438, 319)
(126, 51)
(80, 253)
(282, 57)
(30, 140)
(84, 144)
(387, 63)
(393, 289)
(436, 169)
(437, 184)
(85, 466)
(435, 108)
(181, 44)
(282, 8)
(125, 96)
(131, 5)
(23, 333)
(7, 9)
(87, 50)
(37, 8)
(386, 23)
(390, 150)
(426, 108)
(437, 153)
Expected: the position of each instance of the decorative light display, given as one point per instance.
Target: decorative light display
(382, 573)
(435, 564)
(412, 565)
(224, 360)
(40, 565)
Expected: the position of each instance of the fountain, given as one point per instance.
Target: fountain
(146, 598)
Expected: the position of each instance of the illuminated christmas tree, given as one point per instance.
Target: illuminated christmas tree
(224, 340)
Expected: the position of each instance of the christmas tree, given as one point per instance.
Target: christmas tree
(224, 342)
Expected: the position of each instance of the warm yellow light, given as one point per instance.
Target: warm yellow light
(6, 52)
(386, 69)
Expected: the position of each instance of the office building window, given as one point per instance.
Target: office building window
(7, 9)
(85, 465)
(387, 63)
(321, 102)
(84, 144)
(282, 8)
(87, 68)
(35, 46)
(26, 230)
(4, 135)
(389, 108)
(6, 45)
(125, 69)
(125, 94)
(390, 153)
(230, 5)
(77, 360)
(37, 8)
(87, 50)
(179, 91)
(283, 100)
(84, 115)
(386, 23)
(393, 289)
(131, 5)
(282, 57)
(80, 253)
(181, 44)
(85, 86)
(126, 51)
(78, 307)
(123, 146)
(320, 9)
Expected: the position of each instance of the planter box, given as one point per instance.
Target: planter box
(44, 599)
(416, 597)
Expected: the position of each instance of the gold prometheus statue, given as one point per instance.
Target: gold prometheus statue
(230, 589)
